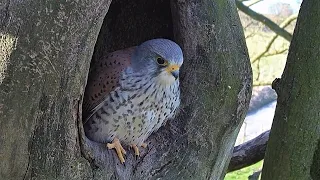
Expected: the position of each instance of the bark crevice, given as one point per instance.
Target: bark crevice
(28, 163)
(315, 166)
(5, 17)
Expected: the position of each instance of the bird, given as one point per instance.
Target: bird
(134, 93)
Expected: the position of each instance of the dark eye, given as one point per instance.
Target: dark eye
(161, 61)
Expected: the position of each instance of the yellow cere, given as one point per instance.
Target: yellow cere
(173, 67)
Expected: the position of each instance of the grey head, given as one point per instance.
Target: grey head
(160, 58)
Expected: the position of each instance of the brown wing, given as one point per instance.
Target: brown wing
(104, 78)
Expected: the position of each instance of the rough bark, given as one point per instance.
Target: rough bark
(45, 75)
(293, 148)
(249, 152)
(46, 48)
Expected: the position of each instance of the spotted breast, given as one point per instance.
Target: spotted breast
(142, 96)
(134, 110)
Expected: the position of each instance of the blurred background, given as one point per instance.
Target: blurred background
(268, 26)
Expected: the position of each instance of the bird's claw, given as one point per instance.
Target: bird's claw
(136, 149)
(121, 152)
(144, 145)
(119, 149)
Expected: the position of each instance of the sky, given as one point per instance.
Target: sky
(263, 7)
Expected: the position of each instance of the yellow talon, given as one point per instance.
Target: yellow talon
(136, 149)
(144, 145)
(119, 149)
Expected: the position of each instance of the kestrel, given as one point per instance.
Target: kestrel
(134, 92)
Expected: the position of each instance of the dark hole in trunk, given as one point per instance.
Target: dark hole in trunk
(128, 23)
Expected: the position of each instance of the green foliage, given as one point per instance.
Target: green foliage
(244, 173)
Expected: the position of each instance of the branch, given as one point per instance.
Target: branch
(249, 152)
(249, 24)
(262, 84)
(284, 24)
(250, 35)
(276, 53)
(266, 21)
(254, 2)
(259, 56)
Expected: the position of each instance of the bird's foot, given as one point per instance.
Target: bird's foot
(136, 149)
(119, 149)
(144, 145)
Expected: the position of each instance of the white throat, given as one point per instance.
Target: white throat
(165, 78)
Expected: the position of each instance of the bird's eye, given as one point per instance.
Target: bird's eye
(161, 61)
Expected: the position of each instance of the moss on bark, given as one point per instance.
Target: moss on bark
(292, 148)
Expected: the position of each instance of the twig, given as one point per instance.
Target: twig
(266, 21)
(284, 24)
(253, 3)
(258, 69)
(250, 35)
(263, 84)
(249, 24)
(276, 53)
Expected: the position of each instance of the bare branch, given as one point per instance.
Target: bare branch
(254, 2)
(284, 24)
(258, 69)
(287, 21)
(262, 84)
(267, 48)
(266, 21)
(250, 35)
(249, 24)
(249, 152)
(276, 52)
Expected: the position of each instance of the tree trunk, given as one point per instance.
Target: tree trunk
(293, 150)
(48, 47)
(45, 56)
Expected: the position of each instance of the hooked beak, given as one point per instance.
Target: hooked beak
(174, 70)
(175, 74)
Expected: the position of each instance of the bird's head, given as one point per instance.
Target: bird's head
(160, 58)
